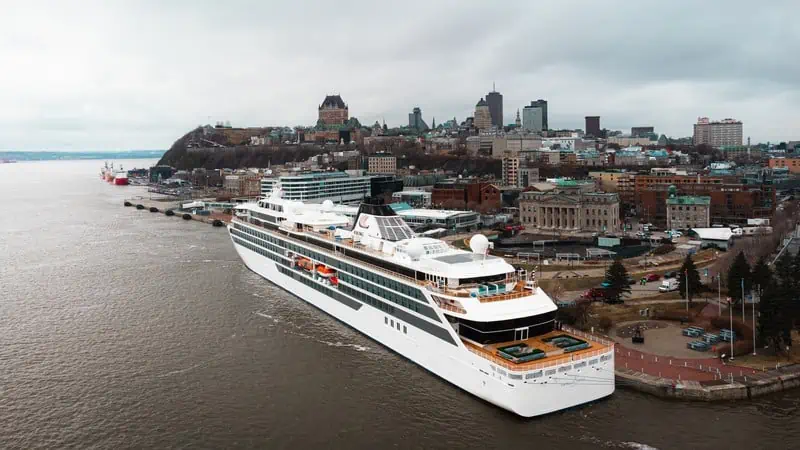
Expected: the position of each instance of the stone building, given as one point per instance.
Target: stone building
(567, 210)
(483, 117)
(333, 111)
(380, 163)
(684, 212)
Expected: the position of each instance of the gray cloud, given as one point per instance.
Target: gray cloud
(107, 75)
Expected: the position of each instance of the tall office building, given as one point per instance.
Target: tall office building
(717, 134)
(495, 101)
(534, 116)
(483, 118)
(642, 131)
(415, 120)
(593, 126)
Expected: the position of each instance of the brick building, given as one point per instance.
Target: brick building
(793, 164)
(242, 185)
(470, 194)
(731, 203)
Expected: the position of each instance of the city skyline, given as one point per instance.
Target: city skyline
(87, 78)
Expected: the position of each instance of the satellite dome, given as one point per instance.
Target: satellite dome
(479, 244)
(327, 206)
(415, 249)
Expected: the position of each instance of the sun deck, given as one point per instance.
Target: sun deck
(545, 345)
(521, 288)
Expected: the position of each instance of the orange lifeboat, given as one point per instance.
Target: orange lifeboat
(325, 271)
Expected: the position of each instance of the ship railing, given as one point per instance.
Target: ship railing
(589, 336)
(442, 303)
(529, 366)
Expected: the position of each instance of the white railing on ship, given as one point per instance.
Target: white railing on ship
(527, 367)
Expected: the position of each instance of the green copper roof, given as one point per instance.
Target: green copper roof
(689, 200)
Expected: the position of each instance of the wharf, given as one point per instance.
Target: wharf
(164, 204)
(706, 379)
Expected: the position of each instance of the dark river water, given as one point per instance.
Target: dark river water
(126, 329)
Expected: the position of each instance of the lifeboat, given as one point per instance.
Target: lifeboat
(325, 271)
(305, 263)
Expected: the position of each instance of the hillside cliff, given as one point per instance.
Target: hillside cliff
(186, 154)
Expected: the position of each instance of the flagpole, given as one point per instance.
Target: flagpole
(733, 335)
(754, 319)
(686, 277)
(743, 318)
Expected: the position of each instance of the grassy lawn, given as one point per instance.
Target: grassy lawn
(570, 284)
(765, 358)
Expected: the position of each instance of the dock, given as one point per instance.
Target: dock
(161, 205)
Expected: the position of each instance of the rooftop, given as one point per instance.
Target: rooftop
(714, 234)
(688, 200)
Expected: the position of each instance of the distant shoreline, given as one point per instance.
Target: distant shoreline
(68, 156)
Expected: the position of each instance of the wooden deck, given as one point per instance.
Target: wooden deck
(554, 356)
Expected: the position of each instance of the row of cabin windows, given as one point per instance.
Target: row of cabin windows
(254, 238)
(368, 299)
(382, 293)
(265, 217)
(260, 251)
(366, 274)
(305, 279)
(260, 235)
(379, 280)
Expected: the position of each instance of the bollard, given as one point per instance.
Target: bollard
(684, 364)
(642, 355)
(701, 367)
(670, 362)
(656, 358)
(740, 373)
(659, 374)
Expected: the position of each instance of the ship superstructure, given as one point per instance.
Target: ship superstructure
(468, 317)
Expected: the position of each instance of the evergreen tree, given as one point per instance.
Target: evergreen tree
(784, 268)
(774, 322)
(618, 280)
(689, 273)
(762, 274)
(740, 270)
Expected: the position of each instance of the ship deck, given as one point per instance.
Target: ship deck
(554, 355)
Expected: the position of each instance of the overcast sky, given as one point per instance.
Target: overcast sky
(138, 74)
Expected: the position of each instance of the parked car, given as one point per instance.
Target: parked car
(594, 294)
(671, 274)
(668, 285)
(651, 277)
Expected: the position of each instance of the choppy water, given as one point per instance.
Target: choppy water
(126, 329)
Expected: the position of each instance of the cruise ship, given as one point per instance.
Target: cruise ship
(466, 316)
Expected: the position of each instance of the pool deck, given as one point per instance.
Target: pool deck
(555, 355)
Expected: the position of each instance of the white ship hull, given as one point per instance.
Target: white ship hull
(456, 364)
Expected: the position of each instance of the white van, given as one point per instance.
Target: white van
(668, 285)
